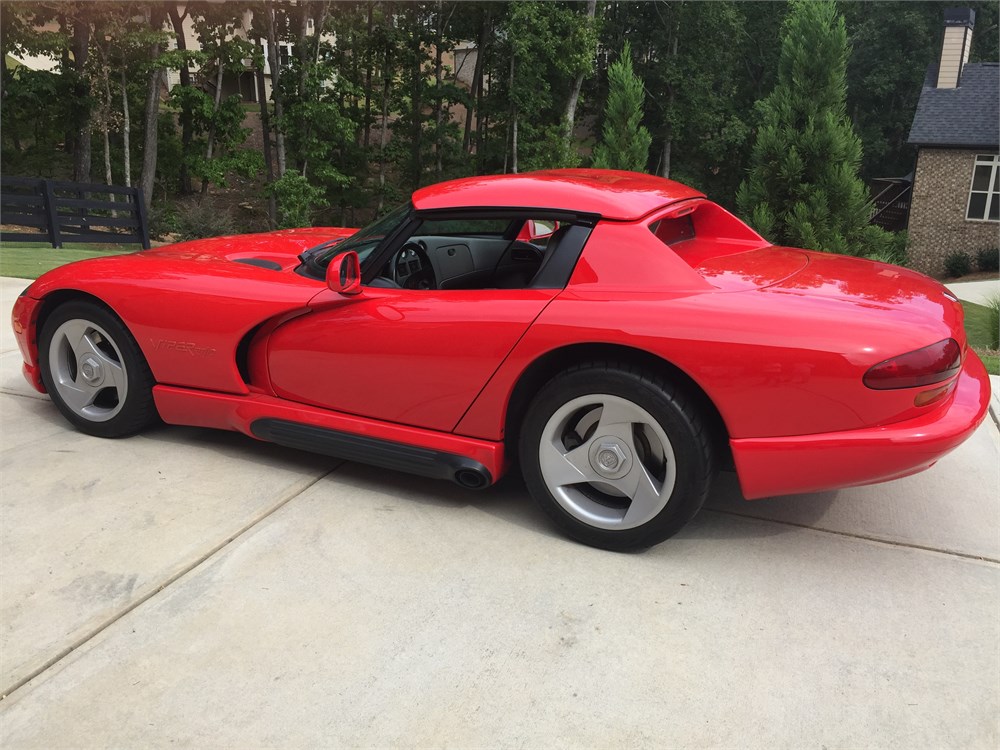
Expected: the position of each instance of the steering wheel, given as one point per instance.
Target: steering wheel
(411, 268)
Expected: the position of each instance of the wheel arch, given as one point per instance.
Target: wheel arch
(550, 364)
(53, 300)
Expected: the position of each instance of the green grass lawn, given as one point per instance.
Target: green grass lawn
(981, 330)
(29, 260)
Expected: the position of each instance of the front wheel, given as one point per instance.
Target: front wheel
(94, 371)
(617, 457)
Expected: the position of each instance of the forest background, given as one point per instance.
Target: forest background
(365, 107)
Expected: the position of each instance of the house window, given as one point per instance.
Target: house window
(984, 195)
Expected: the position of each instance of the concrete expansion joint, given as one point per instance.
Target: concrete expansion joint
(992, 561)
(154, 591)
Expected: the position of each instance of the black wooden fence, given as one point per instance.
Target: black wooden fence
(35, 210)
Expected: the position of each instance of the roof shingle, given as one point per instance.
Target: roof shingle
(967, 116)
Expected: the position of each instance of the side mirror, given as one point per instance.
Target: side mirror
(343, 275)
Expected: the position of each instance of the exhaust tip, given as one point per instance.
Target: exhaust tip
(472, 479)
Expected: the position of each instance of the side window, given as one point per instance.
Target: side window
(984, 194)
(504, 252)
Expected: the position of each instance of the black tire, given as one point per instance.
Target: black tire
(109, 416)
(579, 511)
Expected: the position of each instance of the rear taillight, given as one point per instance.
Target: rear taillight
(932, 364)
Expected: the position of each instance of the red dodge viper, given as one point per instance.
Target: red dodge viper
(616, 335)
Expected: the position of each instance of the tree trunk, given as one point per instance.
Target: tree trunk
(668, 140)
(416, 100)
(569, 117)
(274, 60)
(301, 51)
(66, 63)
(368, 81)
(513, 110)
(106, 118)
(177, 21)
(386, 81)
(265, 127)
(324, 11)
(210, 147)
(438, 98)
(81, 95)
(126, 135)
(151, 114)
(475, 93)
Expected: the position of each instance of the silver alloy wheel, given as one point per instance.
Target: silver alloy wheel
(87, 370)
(607, 462)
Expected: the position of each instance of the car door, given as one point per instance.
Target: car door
(412, 356)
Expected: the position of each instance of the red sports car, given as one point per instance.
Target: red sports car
(616, 335)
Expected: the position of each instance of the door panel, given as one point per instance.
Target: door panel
(416, 357)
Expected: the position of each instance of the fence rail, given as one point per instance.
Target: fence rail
(71, 212)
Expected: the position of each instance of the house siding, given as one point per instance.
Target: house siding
(937, 213)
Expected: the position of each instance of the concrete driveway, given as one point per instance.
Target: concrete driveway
(194, 588)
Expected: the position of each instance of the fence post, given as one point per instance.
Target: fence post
(50, 210)
(140, 207)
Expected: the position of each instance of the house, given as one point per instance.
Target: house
(956, 190)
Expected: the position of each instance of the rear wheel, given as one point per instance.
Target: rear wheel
(617, 457)
(94, 371)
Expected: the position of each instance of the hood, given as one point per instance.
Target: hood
(278, 251)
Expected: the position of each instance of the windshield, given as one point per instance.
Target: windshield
(363, 242)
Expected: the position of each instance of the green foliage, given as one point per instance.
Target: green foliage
(297, 199)
(957, 263)
(36, 116)
(625, 141)
(803, 187)
(982, 327)
(988, 259)
(993, 320)
(197, 219)
(549, 45)
(876, 243)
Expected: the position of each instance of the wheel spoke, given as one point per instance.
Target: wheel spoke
(617, 418)
(646, 494)
(566, 468)
(78, 396)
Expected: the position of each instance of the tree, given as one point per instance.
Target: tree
(803, 187)
(625, 142)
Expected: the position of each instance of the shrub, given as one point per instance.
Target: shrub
(958, 263)
(988, 259)
(196, 220)
(162, 220)
(993, 305)
(880, 245)
(297, 200)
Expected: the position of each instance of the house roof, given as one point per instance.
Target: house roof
(966, 116)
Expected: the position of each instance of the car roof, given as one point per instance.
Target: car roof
(612, 194)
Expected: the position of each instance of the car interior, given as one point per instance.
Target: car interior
(473, 254)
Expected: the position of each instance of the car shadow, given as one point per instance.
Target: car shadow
(508, 500)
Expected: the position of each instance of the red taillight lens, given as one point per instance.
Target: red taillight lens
(926, 366)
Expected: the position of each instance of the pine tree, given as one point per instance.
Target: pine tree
(624, 141)
(803, 187)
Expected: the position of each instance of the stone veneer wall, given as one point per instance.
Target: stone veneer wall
(937, 210)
